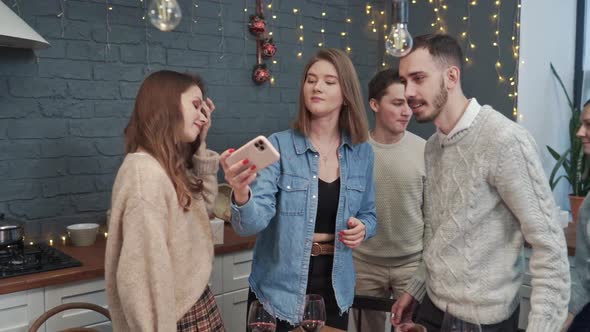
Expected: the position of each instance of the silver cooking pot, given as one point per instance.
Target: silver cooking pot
(11, 231)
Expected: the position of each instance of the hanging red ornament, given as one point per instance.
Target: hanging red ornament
(268, 48)
(261, 74)
(257, 25)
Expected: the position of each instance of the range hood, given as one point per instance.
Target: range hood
(14, 32)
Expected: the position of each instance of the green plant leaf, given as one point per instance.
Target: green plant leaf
(553, 153)
(556, 168)
(569, 100)
(554, 183)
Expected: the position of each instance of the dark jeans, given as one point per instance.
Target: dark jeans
(581, 322)
(431, 317)
(319, 281)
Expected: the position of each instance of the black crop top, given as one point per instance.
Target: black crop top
(328, 196)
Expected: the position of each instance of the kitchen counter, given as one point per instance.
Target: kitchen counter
(92, 259)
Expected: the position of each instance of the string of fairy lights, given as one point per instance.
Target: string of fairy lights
(194, 18)
(376, 18)
(322, 42)
(438, 24)
(299, 27)
(221, 29)
(274, 61)
(148, 67)
(510, 79)
(109, 8)
(245, 34)
(465, 35)
(369, 9)
(62, 17)
(347, 30)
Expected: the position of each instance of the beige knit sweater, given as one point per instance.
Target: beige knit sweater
(399, 182)
(158, 257)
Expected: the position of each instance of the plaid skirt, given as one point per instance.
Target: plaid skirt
(203, 316)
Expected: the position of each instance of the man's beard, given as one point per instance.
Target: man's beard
(440, 100)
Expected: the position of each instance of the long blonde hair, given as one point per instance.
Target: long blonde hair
(353, 118)
(156, 123)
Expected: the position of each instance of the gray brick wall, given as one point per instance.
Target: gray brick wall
(63, 109)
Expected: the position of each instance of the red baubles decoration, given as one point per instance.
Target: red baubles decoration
(265, 47)
(257, 25)
(268, 48)
(261, 74)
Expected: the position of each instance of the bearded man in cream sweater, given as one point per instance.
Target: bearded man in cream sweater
(485, 194)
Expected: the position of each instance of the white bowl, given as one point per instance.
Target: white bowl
(83, 234)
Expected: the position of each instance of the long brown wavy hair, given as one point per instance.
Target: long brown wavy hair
(353, 118)
(156, 126)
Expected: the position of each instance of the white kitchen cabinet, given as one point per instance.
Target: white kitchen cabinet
(85, 291)
(216, 281)
(236, 270)
(18, 310)
(229, 284)
(233, 308)
(231, 271)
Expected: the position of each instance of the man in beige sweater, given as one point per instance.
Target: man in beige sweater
(385, 263)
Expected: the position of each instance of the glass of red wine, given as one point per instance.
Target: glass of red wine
(314, 313)
(259, 320)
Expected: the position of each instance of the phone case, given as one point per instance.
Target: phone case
(258, 151)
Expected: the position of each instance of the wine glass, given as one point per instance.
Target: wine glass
(314, 313)
(259, 320)
(454, 324)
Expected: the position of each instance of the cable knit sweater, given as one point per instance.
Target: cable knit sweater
(485, 191)
(158, 257)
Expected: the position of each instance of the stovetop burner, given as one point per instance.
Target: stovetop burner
(20, 259)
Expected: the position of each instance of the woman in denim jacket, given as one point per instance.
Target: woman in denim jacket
(315, 204)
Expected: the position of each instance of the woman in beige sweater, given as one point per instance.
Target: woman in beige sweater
(160, 251)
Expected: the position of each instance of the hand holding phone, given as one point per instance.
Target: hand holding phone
(240, 166)
(259, 152)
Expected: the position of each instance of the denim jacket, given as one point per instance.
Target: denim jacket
(282, 211)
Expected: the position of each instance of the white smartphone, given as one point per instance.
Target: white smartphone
(258, 151)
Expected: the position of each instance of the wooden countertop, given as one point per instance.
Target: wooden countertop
(92, 259)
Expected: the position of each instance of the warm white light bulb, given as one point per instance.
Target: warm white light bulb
(399, 41)
(164, 14)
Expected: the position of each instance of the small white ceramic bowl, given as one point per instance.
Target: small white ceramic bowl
(83, 234)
